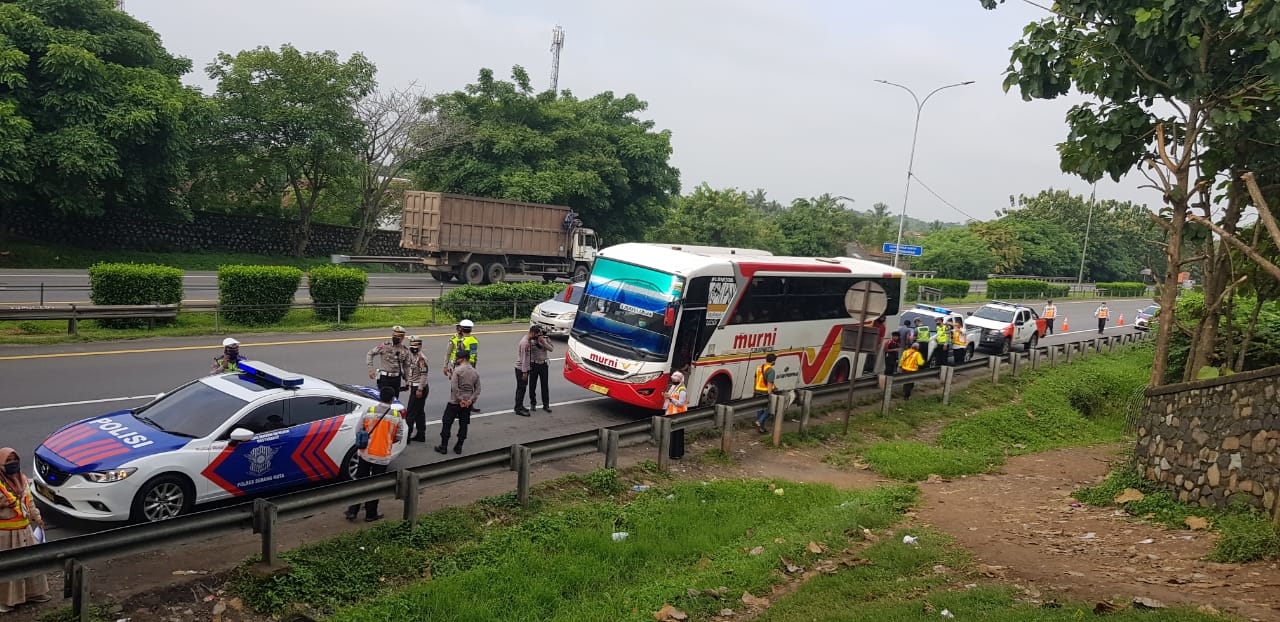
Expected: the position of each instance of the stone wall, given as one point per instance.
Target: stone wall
(206, 232)
(1214, 442)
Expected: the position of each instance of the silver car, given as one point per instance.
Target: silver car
(556, 316)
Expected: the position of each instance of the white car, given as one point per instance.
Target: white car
(1006, 324)
(239, 434)
(928, 315)
(556, 316)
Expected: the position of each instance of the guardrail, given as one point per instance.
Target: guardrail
(73, 313)
(261, 516)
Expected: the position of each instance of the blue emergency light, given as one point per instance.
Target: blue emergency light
(941, 310)
(271, 374)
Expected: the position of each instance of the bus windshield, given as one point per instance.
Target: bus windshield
(623, 307)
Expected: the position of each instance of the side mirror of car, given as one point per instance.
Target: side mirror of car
(240, 435)
(1020, 322)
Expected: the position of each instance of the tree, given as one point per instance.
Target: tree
(880, 227)
(295, 110)
(594, 155)
(400, 127)
(816, 227)
(1185, 93)
(958, 253)
(759, 200)
(92, 112)
(716, 218)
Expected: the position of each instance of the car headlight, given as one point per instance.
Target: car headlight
(642, 378)
(569, 316)
(106, 477)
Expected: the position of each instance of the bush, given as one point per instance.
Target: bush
(494, 302)
(256, 295)
(133, 284)
(1025, 288)
(336, 291)
(1125, 289)
(951, 288)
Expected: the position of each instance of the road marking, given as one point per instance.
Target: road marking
(79, 403)
(25, 357)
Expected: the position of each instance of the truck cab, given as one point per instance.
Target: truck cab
(583, 250)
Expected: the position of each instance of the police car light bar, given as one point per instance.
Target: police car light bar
(942, 310)
(269, 373)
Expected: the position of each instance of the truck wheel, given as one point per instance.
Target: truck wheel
(495, 273)
(580, 272)
(472, 274)
(443, 277)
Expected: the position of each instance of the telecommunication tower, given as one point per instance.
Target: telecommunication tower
(557, 44)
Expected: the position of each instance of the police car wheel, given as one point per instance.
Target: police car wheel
(1006, 345)
(164, 497)
(350, 463)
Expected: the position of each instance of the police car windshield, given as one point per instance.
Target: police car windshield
(194, 411)
(995, 314)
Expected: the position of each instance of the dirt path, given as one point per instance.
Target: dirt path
(1022, 519)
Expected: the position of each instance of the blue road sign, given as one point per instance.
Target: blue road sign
(893, 249)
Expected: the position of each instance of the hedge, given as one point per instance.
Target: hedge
(951, 288)
(336, 291)
(257, 295)
(1123, 288)
(495, 302)
(133, 284)
(1025, 288)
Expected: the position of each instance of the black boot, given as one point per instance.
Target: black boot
(420, 438)
(443, 447)
(457, 448)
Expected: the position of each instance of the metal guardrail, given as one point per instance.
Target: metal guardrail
(73, 313)
(261, 515)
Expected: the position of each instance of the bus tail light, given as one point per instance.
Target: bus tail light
(669, 317)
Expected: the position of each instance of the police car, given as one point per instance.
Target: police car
(239, 434)
(1007, 324)
(928, 316)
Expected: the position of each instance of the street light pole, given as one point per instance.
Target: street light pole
(902, 220)
(1088, 225)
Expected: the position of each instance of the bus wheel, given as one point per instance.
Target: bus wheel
(840, 373)
(716, 392)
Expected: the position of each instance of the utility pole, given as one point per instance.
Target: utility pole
(1088, 225)
(557, 44)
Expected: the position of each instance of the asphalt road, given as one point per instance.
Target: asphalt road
(47, 387)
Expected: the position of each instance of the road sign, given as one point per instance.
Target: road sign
(893, 249)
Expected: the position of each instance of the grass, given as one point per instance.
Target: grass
(494, 561)
(29, 255)
(1244, 534)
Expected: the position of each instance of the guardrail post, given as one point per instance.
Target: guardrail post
(806, 408)
(524, 461)
(884, 407)
(339, 314)
(611, 440)
(948, 375)
(655, 429)
(1053, 355)
(433, 307)
(994, 362)
(724, 419)
(1035, 359)
(778, 412)
(514, 316)
(663, 426)
(1015, 360)
(217, 318)
(73, 324)
(75, 585)
(407, 491)
(42, 293)
(1111, 344)
(1067, 349)
(264, 522)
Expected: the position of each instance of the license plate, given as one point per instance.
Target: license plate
(44, 491)
(599, 389)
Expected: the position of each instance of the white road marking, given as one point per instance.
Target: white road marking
(79, 403)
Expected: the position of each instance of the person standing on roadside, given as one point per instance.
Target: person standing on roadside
(892, 354)
(1102, 313)
(380, 430)
(416, 414)
(906, 335)
(230, 358)
(870, 365)
(911, 363)
(940, 352)
(462, 341)
(1049, 315)
(464, 390)
(393, 361)
(539, 370)
(18, 512)
(522, 368)
(676, 401)
(959, 341)
(765, 376)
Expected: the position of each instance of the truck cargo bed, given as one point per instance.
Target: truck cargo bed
(436, 222)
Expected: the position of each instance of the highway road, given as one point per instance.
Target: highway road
(47, 387)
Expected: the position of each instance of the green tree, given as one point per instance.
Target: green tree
(716, 218)
(958, 253)
(294, 110)
(759, 200)
(816, 227)
(594, 155)
(92, 112)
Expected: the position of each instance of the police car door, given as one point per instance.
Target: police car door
(257, 464)
(319, 436)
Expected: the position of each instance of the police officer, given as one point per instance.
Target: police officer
(464, 390)
(922, 338)
(229, 358)
(393, 361)
(462, 341)
(940, 351)
(418, 391)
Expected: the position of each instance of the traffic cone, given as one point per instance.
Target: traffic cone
(1065, 328)
(1121, 320)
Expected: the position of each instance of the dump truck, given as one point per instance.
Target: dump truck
(478, 240)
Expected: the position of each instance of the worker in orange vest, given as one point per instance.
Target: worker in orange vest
(1102, 313)
(1049, 315)
(911, 363)
(381, 430)
(765, 375)
(676, 401)
(19, 516)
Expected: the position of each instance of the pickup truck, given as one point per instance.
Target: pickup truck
(1005, 324)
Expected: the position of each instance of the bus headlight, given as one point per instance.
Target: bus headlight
(642, 378)
(573, 357)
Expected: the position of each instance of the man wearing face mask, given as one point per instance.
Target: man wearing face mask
(18, 513)
(229, 359)
(418, 391)
(393, 361)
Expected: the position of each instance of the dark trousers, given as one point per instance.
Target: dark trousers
(416, 413)
(1102, 324)
(957, 355)
(1048, 325)
(462, 415)
(389, 381)
(522, 383)
(677, 444)
(367, 469)
(891, 363)
(907, 389)
(939, 355)
(538, 374)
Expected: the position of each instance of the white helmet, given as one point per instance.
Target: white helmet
(677, 378)
(467, 324)
(230, 343)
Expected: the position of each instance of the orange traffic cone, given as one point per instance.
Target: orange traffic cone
(1065, 327)
(1121, 319)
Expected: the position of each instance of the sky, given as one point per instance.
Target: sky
(756, 93)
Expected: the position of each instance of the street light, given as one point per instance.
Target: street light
(902, 220)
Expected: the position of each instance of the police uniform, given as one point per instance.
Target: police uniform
(465, 342)
(417, 413)
(393, 364)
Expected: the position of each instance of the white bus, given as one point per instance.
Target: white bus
(714, 314)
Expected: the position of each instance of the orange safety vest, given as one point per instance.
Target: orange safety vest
(958, 337)
(19, 520)
(911, 360)
(1050, 312)
(672, 407)
(761, 386)
(1103, 312)
(382, 434)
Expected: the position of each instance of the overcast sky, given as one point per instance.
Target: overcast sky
(757, 94)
